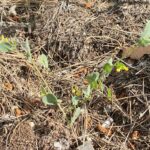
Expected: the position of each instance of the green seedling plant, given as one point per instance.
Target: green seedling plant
(26, 47)
(48, 98)
(95, 82)
(81, 96)
(145, 36)
(42, 59)
(7, 44)
(107, 69)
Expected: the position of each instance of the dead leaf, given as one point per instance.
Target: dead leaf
(15, 18)
(90, 4)
(136, 52)
(81, 71)
(18, 112)
(87, 122)
(35, 101)
(106, 131)
(85, 82)
(8, 86)
(135, 135)
(76, 75)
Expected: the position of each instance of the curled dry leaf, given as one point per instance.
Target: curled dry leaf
(85, 82)
(135, 135)
(8, 86)
(18, 112)
(106, 131)
(136, 52)
(81, 71)
(90, 4)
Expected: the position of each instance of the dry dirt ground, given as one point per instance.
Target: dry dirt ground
(73, 37)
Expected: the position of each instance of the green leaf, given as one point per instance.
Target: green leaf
(43, 92)
(7, 45)
(101, 86)
(145, 35)
(93, 79)
(109, 93)
(87, 92)
(50, 99)
(146, 32)
(26, 47)
(108, 66)
(120, 66)
(75, 115)
(43, 60)
(75, 100)
(144, 41)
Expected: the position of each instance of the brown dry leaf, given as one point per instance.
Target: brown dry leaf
(76, 75)
(81, 71)
(106, 131)
(136, 52)
(135, 135)
(90, 4)
(85, 82)
(35, 101)
(15, 18)
(18, 112)
(87, 122)
(8, 86)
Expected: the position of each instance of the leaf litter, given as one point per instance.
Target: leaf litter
(73, 37)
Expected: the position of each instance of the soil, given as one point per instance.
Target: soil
(74, 37)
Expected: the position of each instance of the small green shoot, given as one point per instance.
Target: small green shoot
(75, 115)
(145, 35)
(109, 93)
(43, 60)
(93, 80)
(101, 86)
(7, 45)
(75, 100)
(26, 47)
(108, 67)
(50, 99)
(87, 93)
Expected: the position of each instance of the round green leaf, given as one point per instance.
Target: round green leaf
(49, 99)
